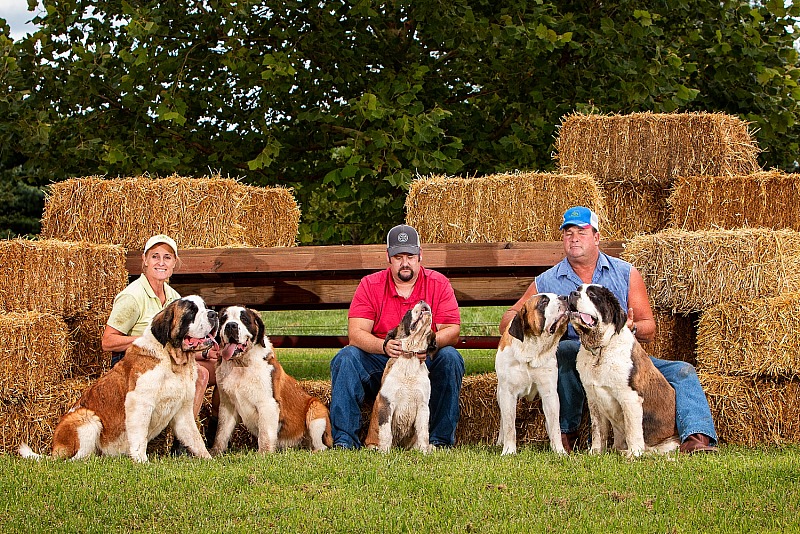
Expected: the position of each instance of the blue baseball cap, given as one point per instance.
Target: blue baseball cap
(580, 216)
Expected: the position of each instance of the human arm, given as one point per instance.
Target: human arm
(115, 341)
(509, 315)
(359, 333)
(447, 334)
(640, 314)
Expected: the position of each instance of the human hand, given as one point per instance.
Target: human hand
(629, 323)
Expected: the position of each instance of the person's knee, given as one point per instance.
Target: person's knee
(449, 361)
(202, 377)
(347, 357)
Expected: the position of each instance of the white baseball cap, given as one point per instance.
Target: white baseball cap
(158, 239)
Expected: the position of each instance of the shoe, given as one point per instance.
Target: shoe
(178, 449)
(570, 440)
(697, 443)
(343, 446)
(211, 431)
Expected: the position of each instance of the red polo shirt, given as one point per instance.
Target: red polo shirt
(377, 299)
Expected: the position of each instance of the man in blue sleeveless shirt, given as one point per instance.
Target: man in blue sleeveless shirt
(585, 263)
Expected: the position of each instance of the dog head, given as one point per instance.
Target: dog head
(414, 330)
(240, 329)
(542, 314)
(596, 314)
(185, 326)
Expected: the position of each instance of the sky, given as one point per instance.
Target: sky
(17, 15)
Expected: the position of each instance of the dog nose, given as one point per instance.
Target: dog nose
(212, 314)
(562, 298)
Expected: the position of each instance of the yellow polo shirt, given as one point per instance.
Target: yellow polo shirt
(136, 305)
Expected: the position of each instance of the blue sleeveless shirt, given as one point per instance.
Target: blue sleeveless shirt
(613, 273)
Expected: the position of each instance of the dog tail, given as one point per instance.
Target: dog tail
(26, 452)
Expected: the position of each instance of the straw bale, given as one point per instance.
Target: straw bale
(752, 338)
(33, 419)
(635, 207)
(197, 212)
(85, 334)
(753, 411)
(270, 217)
(34, 353)
(65, 278)
(497, 208)
(655, 146)
(692, 271)
(675, 337)
(764, 199)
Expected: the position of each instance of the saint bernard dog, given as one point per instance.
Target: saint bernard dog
(255, 390)
(151, 387)
(526, 365)
(401, 413)
(624, 390)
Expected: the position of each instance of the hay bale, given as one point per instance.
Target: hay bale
(655, 146)
(34, 354)
(65, 278)
(86, 355)
(128, 211)
(752, 338)
(753, 411)
(675, 337)
(635, 158)
(33, 419)
(635, 207)
(497, 208)
(689, 272)
(270, 217)
(764, 199)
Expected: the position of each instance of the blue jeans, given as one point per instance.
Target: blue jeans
(356, 377)
(692, 414)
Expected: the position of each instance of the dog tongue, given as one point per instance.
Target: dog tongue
(588, 319)
(228, 350)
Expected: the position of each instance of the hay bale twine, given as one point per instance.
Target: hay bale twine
(203, 212)
(688, 272)
(34, 354)
(751, 338)
(753, 411)
(763, 199)
(635, 158)
(497, 208)
(65, 278)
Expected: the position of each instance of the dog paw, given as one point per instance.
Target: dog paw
(509, 450)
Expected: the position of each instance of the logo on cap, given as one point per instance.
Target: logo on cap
(402, 237)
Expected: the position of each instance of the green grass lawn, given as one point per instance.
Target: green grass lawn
(313, 364)
(467, 489)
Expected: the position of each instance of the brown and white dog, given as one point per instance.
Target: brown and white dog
(401, 414)
(255, 390)
(624, 390)
(151, 387)
(526, 366)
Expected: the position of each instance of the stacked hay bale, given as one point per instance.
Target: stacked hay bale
(197, 212)
(497, 208)
(53, 294)
(635, 159)
(743, 284)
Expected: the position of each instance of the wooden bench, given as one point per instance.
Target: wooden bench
(325, 277)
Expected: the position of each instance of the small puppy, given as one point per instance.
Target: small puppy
(526, 365)
(401, 414)
(256, 391)
(151, 387)
(624, 390)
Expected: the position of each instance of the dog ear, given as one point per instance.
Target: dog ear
(616, 315)
(517, 328)
(161, 325)
(432, 347)
(261, 329)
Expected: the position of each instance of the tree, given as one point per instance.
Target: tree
(348, 100)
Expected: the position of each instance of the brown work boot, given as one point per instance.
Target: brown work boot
(697, 443)
(569, 440)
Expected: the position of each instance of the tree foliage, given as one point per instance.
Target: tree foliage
(348, 100)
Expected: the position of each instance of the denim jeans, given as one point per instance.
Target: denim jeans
(692, 414)
(356, 377)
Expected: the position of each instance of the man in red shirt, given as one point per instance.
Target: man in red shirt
(378, 305)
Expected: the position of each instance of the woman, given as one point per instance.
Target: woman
(136, 305)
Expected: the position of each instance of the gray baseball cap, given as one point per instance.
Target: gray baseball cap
(402, 239)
